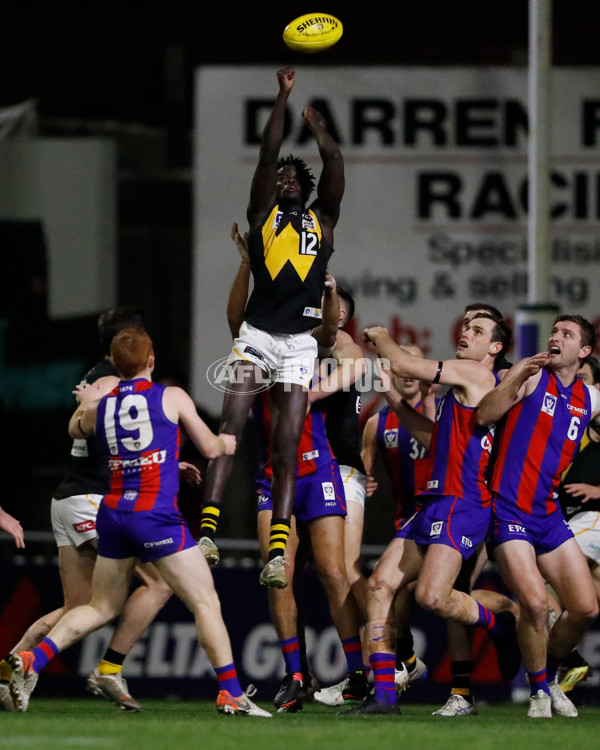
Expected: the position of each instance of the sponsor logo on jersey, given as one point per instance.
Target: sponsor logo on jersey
(436, 528)
(576, 409)
(130, 495)
(390, 438)
(308, 222)
(310, 455)
(140, 462)
(433, 484)
(312, 312)
(160, 543)
(84, 526)
(549, 404)
(328, 490)
(254, 352)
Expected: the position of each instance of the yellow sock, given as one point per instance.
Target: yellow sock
(280, 530)
(209, 521)
(107, 667)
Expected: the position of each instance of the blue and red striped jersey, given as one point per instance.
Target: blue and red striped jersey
(404, 458)
(536, 441)
(313, 450)
(142, 446)
(459, 453)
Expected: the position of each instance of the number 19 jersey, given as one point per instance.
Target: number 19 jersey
(142, 446)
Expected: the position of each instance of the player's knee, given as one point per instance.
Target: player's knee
(585, 613)
(535, 609)
(431, 598)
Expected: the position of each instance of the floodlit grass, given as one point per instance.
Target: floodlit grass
(187, 725)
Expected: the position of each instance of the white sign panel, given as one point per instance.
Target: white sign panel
(435, 210)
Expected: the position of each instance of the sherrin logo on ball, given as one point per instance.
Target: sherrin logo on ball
(313, 32)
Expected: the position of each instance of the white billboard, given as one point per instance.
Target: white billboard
(435, 210)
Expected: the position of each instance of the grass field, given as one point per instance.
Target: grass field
(187, 725)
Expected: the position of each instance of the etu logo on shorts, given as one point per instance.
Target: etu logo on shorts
(466, 542)
(516, 528)
(328, 490)
(549, 404)
(436, 528)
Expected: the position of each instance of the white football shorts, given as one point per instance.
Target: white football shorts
(283, 357)
(355, 485)
(74, 519)
(586, 529)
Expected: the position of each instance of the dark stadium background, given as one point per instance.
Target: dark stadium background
(125, 70)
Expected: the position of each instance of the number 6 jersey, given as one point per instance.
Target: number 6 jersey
(142, 446)
(536, 441)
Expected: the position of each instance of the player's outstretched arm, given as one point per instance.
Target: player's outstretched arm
(179, 407)
(262, 190)
(331, 186)
(519, 381)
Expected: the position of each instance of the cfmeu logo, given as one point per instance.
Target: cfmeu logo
(238, 376)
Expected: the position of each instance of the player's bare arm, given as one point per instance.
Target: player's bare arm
(179, 407)
(352, 365)
(326, 332)
(238, 294)
(331, 186)
(83, 421)
(519, 381)
(416, 423)
(470, 379)
(12, 527)
(262, 191)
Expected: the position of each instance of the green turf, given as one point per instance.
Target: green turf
(186, 725)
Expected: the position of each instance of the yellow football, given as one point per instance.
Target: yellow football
(313, 32)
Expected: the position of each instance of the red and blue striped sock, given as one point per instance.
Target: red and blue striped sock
(487, 618)
(384, 669)
(228, 680)
(538, 681)
(353, 652)
(42, 654)
(290, 648)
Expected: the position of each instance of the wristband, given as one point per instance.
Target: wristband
(436, 380)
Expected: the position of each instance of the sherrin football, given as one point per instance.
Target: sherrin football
(313, 32)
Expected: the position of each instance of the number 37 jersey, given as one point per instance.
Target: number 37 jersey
(537, 440)
(142, 446)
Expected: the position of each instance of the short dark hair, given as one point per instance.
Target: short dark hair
(490, 309)
(587, 330)
(594, 364)
(305, 177)
(116, 319)
(500, 332)
(349, 300)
